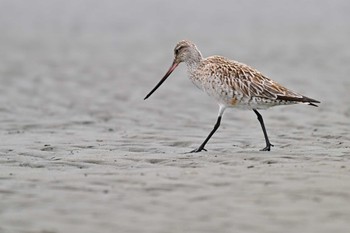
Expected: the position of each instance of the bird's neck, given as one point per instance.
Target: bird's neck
(193, 63)
(192, 66)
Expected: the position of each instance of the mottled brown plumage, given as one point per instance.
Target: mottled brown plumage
(232, 84)
(239, 81)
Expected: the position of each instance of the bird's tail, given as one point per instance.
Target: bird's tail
(302, 99)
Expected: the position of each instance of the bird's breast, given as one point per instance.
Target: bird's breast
(214, 87)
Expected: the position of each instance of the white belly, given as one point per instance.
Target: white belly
(225, 95)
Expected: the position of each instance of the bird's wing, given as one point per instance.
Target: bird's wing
(249, 82)
(255, 84)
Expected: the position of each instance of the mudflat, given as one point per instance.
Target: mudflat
(81, 151)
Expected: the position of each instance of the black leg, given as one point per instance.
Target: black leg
(268, 144)
(201, 147)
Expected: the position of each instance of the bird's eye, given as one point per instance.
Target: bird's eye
(177, 50)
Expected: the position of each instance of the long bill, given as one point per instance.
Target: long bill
(171, 69)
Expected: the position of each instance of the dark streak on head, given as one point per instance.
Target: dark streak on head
(177, 49)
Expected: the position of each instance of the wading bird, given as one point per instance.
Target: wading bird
(232, 84)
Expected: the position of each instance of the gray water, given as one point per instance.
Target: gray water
(82, 151)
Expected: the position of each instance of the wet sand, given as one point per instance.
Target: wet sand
(81, 151)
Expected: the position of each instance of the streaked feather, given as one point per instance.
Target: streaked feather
(245, 82)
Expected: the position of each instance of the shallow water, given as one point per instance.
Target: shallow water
(82, 151)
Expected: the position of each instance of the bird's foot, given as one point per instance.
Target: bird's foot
(267, 148)
(197, 150)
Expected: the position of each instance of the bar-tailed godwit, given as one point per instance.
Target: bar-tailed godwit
(232, 84)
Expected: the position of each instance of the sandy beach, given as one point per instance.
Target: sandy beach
(81, 151)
